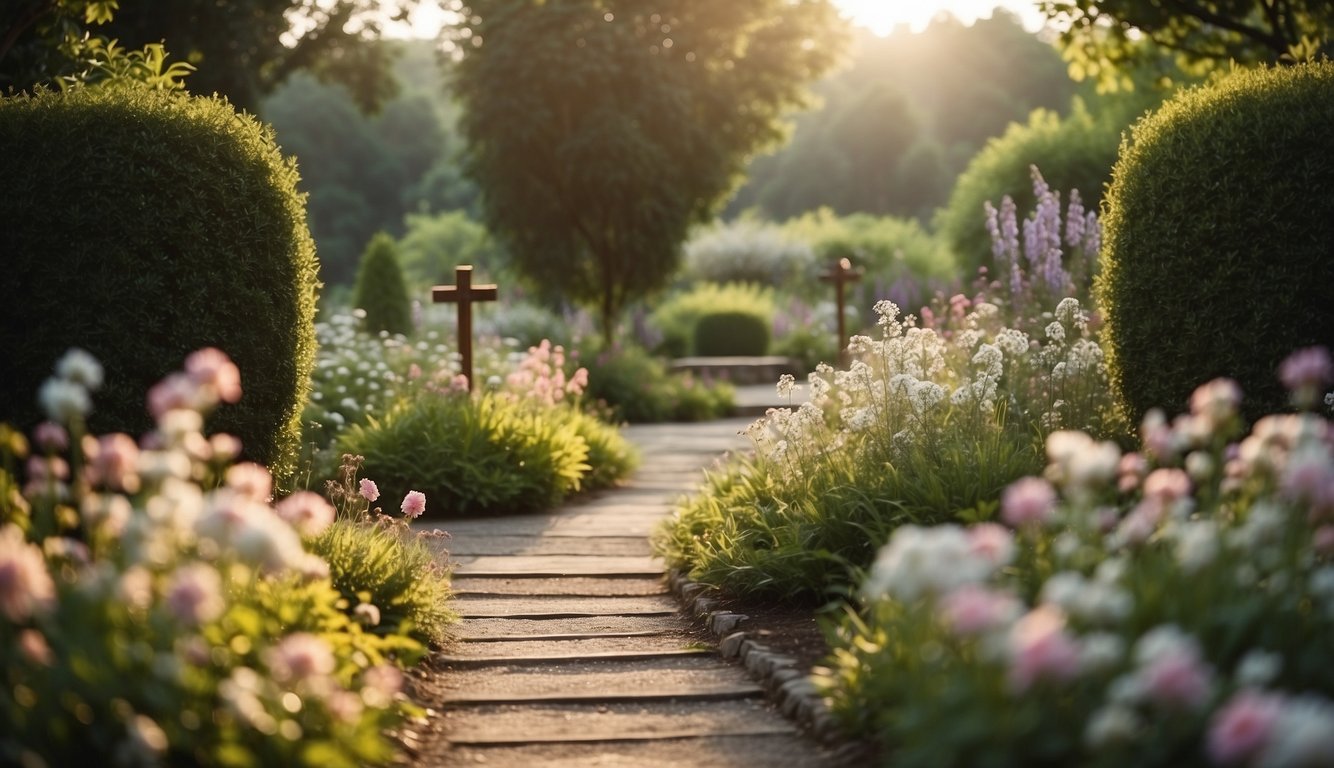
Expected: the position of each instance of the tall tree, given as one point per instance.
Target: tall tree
(1105, 39)
(242, 48)
(600, 130)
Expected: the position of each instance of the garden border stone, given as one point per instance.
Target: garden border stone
(795, 694)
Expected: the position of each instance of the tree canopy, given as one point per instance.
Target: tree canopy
(242, 48)
(600, 130)
(1104, 39)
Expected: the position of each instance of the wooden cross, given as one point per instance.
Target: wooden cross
(464, 293)
(840, 274)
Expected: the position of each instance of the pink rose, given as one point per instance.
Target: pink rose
(1242, 727)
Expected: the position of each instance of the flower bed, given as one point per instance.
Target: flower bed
(159, 608)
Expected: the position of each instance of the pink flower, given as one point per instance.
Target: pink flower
(26, 587)
(1177, 678)
(225, 447)
(1029, 501)
(250, 480)
(1240, 730)
(1308, 368)
(194, 595)
(973, 610)
(1217, 401)
(308, 512)
(33, 647)
(1041, 649)
(300, 656)
(115, 464)
(175, 392)
(414, 371)
(992, 543)
(414, 504)
(1167, 485)
(212, 369)
(383, 678)
(369, 491)
(1323, 541)
(50, 436)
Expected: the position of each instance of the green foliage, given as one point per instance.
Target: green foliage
(747, 251)
(1103, 40)
(1076, 151)
(725, 333)
(375, 562)
(885, 246)
(1221, 216)
(1051, 644)
(245, 47)
(887, 140)
(198, 239)
(636, 387)
(927, 425)
(677, 317)
(598, 143)
(359, 170)
(381, 292)
(434, 244)
(491, 455)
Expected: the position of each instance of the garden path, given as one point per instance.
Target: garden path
(572, 651)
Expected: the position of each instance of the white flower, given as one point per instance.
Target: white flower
(1113, 724)
(1258, 668)
(1303, 736)
(79, 367)
(1056, 332)
(1197, 544)
(921, 561)
(1068, 312)
(64, 400)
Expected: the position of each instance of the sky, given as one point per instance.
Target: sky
(881, 16)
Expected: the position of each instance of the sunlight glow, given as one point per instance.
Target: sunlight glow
(882, 16)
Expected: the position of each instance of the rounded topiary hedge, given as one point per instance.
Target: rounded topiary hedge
(728, 333)
(141, 225)
(381, 291)
(1218, 256)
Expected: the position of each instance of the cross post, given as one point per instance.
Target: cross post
(464, 293)
(840, 274)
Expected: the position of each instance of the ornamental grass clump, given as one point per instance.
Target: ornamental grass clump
(160, 609)
(1166, 607)
(523, 447)
(926, 425)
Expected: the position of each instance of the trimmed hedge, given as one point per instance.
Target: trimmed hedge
(141, 225)
(731, 333)
(381, 291)
(1218, 256)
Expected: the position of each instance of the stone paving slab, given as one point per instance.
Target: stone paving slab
(776, 750)
(538, 656)
(524, 606)
(557, 565)
(564, 723)
(690, 676)
(483, 628)
(513, 544)
(589, 586)
(582, 647)
(572, 524)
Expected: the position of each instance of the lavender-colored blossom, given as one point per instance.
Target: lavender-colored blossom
(1074, 220)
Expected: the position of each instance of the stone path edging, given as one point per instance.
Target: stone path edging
(796, 695)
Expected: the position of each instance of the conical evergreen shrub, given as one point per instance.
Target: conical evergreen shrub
(381, 291)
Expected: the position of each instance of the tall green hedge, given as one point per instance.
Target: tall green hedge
(381, 291)
(141, 225)
(1218, 255)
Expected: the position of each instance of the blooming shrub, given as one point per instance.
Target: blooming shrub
(927, 424)
(158, 608)
(1171, 606)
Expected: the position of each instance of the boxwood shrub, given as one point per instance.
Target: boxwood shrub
(141, 225)
(1218, 252)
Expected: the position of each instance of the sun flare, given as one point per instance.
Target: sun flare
(882, 16)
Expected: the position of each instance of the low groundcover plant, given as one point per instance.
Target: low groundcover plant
(1166, 607)
(157, 608)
